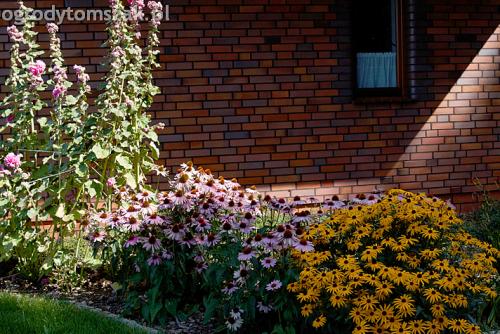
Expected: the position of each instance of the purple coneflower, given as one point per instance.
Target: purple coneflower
(211, 239)
(166, 255)
(188, 240)
(288, 238)
(176, 232)
(274, 285)
(151, 244)
(132, 241)
(154, 219)
(242, 274)
(245, 227)
(154, 260)
(122, 191)
(203, 225)
(268, 262)
(230, 288)
(201, 266)
(180, 199)
(145, 196)
(302, 217)
(115, 220)
(133, 224)
(297, 202)
(304, 245)
(98, 236)
(233, 324)
(264, 308)
(246, 254)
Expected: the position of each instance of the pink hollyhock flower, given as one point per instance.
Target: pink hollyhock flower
(52, 28)
(111, 182)
(15, 34)
(12, 160)
(155, 5)
(138, 3)
(36, 69)
(274, 285)
(11, 118)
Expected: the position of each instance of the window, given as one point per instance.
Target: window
(378, 44)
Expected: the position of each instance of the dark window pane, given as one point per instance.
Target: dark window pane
(375, 43)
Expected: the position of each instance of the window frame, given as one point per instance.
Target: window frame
(391, 93)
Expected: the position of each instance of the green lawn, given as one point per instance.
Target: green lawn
(34, 315)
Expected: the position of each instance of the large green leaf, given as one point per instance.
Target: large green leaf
(124, 161)
(101, 152)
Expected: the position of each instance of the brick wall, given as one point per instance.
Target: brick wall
(261, 90)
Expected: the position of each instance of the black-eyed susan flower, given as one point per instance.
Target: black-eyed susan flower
(432, 295)
(319, 322)
(362, 328)
(405, 305)
(417, 326)
(458, 325)
(306, 310)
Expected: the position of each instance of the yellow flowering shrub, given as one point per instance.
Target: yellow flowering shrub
(401, 265)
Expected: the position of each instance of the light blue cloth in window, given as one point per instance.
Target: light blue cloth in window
(377, 70)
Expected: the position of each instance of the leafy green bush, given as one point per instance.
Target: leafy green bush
(484, 224)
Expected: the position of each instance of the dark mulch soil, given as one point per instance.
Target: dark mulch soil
(98, 294)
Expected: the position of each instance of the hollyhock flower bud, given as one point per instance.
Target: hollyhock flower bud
(80, 72)
(58, 91)
(12, 160)
(15, 34)
(118, 52)
(111, 182)
(156, 8)
(79, 69)
(37, 68)
(155, 5)
(52, 28)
